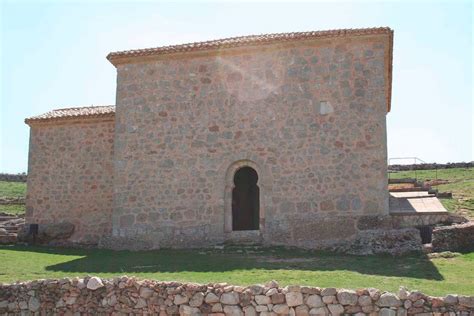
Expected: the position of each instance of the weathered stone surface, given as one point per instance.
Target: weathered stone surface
(370, 222)
(196, 300)
(180, 299)
(329, 299)
(94, 283)
(186, 310)
(319, 311)
(374, 293)
(402, 312)
(364, 300)
(314, 301)
(278, 298)
(467, 301)
(217, 307)
(261, 308)
(34, 304)
(262, 300)
(48, 232)
(84, 198)
(294, 298)
(211, 298)
(389, 300)
(256, 289)
(249, 311)
(231, 298)
(140, 303)
(387, 312)
(336, 309)
(281, 309)
(450, 299)
(271, 291)
(330, 291)
(394, 242)
(146, 292)
(403, 293)
(232, 310)
(347, 297)
(302, 310)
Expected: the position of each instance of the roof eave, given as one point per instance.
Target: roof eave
(70, 119)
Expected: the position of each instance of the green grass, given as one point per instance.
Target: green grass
(12, 189)
(16, 209)
(244, 266)
(461, 184)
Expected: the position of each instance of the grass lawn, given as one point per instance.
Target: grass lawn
(245, 266)
(16, 209)
(461, 184)
(12, 189)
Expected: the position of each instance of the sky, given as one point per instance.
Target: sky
(52, 55)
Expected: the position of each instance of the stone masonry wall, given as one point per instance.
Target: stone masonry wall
(70, 174)
(308, 116)
(123, 295)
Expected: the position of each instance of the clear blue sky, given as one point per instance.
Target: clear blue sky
(53, 56)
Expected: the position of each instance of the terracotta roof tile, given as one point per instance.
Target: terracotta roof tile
(73, 113)
(242, 41)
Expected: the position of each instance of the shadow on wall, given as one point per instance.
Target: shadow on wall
(237, 258)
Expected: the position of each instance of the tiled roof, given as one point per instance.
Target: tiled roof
(242, 41)
(74, 113)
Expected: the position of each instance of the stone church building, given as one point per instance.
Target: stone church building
(277, 139)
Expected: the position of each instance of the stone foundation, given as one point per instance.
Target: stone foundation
(92, 295)
(361, 235)
(392, 241)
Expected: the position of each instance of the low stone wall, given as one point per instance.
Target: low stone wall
(429, 166)
(20, 177)
(92, 295)
(454, 238)
(12, 200)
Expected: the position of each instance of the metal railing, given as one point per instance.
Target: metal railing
(416, 161)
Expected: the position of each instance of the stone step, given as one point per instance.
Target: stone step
(414, 189)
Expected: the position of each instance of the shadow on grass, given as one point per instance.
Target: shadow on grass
(231, 259)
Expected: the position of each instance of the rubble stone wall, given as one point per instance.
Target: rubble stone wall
(123, 295)
(431, 166)
(454, 238)
(70, 174)
(308, 116)
(20, 177)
